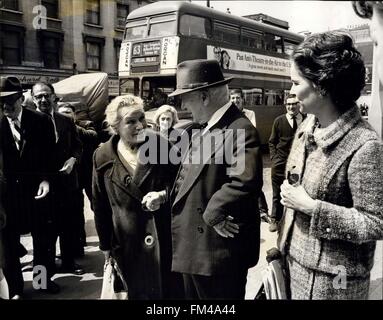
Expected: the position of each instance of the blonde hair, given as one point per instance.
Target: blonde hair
(112, 111)
(165, 108)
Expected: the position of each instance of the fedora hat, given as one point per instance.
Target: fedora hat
(9, 85)
(199, 74)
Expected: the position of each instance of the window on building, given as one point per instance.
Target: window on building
(117, 47)
(93, 11)
(226, 33)
(122, 13)
(52, 7)
(93, 56)
(11, 48)
(252, 39)
(194, 26)
(51, 52)
(9, 4)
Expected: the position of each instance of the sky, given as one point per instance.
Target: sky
(313, 16)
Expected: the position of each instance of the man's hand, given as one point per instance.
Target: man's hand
(43, 190)
(153, 200)
(68, 166)
(226, 228)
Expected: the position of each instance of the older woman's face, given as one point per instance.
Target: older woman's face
(376, 28)
(131, 125)
(304, 91)
(165, 120)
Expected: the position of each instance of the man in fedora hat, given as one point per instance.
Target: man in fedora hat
(27, 140)
(215, 229)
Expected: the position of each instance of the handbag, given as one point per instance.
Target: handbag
(274, 284)
(114, 286)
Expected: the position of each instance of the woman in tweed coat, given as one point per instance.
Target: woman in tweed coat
(333, 195)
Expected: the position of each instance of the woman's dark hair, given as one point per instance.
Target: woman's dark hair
(334, 66)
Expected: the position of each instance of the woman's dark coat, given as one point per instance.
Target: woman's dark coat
(140, 241)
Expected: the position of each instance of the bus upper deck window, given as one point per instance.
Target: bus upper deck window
(135, 30)
(194, 26)
(163, 26)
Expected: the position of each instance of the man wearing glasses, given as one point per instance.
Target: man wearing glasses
(281, 137)
(68, 151)
(27, 140)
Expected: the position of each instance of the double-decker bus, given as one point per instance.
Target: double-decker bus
(158, 36)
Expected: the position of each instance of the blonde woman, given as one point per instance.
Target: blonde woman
(132, 227)
(165, 118)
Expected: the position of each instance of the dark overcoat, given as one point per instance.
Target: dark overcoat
(140, 241)
(25, 170)
(212, 191)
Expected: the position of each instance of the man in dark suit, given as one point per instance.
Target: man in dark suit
(89, 140)
(27, 140)
(281, 138)
(68, 150)
(215, 229)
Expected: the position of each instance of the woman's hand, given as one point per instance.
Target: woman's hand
(152, 201)
(297, 198)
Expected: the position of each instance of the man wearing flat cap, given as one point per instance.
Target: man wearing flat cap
(26, 141)
(215, 229)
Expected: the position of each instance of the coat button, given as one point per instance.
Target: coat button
(199, 210)
(200, 229)
(328, 230)
(149, 240)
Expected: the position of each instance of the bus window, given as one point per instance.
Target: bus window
(252, 39)
(194, 26)
(253, 97)
(226, 33)
(135, 30)
(274, 97)
(273, 43)
(129, 86)
(163, 26)
(278, 44)
(289, 47)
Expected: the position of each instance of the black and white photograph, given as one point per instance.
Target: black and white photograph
(197, 151)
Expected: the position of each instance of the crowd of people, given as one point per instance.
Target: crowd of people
(182, 220)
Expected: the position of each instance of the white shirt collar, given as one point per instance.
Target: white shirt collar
(18, 117)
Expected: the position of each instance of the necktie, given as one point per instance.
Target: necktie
(54, 127)
(295, 124)
(17, 136)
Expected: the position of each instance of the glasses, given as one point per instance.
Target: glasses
(10, 100)
(41, 96)
(292, 104)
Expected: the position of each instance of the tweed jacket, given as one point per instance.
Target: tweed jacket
(344, 174)
(138, 240)
(208, 194)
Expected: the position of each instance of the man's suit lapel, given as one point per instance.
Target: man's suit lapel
(195, 170)
(7, 136)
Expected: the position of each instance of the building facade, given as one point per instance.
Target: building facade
(50, 40)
